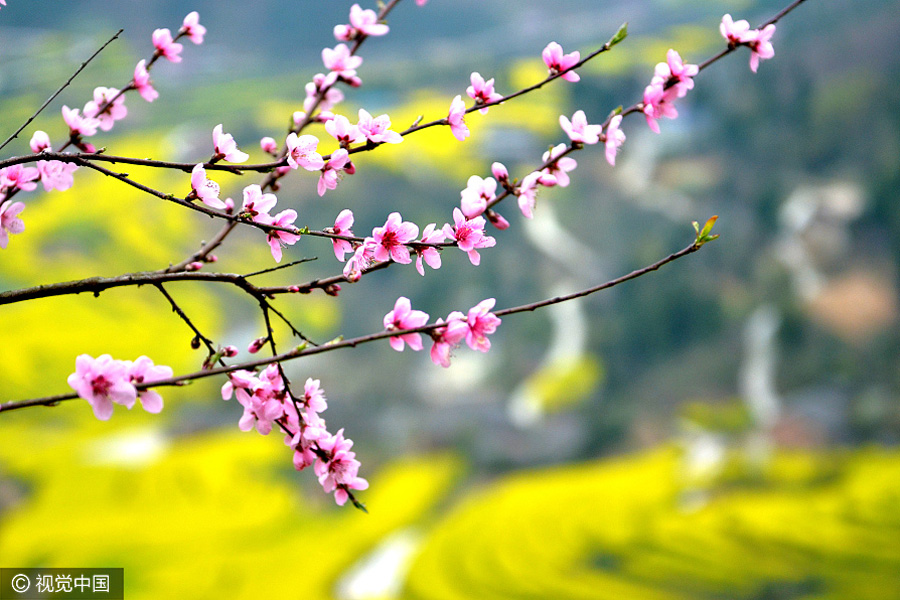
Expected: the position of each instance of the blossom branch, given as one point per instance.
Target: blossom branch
(304, 350)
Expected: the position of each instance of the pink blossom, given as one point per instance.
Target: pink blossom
(447, 337)
(342, 225)
(241, 382)
(403, 317)
(579, 130)
(481, 323)
(675, 74)
(760, 46)
(331, 172)
(496, 219)
(560, 167)
(205, 189)
(339, 472)
(313, 396)
(377, 129)
(469, 235)
(457, 119)
(143, 370)
(332, 96)
(40, 141)
(482, 92)
(142, 82)
(733, 31)
(429, 254)
(102, 381)
(10, 221)
(363, 257)
(113, 112)
(391, 239)
(56, 175)
(226, 147)
(301, 152)
(340, 129)
(78, 124)
(277, 238)
(499, 171)
(166, 46)
(362, 22)
(421, 2)
(558, 62)
(192, 27)
(477, 195)
(19, 177)
(268, 145)
(341, 62)
(258, 204)
(615, 137)
(658, 104)
(527, 191)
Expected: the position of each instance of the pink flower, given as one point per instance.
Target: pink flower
(496, 219)
(257, 204)
(481, 323)
(166, 46)
(362, 22)
(760, 46)
(205, 189)
(733, 31)
(363, 257)
(268, 145)
(192, 27)
(102, 381)
(342, 225)
(10, 221)
(40, 141)
(112, 113)
(239, 382)
(18, 177)
(421, 2)
(301, 152)
(429, 254)
(377, 129)
(332, 96)
(675, 74)
(340, 62)
(78, 124)
(143, 370)
(391, 240)
(482, 92)
(340, 129)
(579, 130)
(447, 337)
(561, 167)
(469, 235)
(56, 175)
(339, 472)
(142, 82)
(558, 62)
(658, 104)
(527, 191)
(615, 137)
(457, 119)
(277, 238)
(478, 193)
(226, 147)
(403, 317)
(499, 171)
(328, 180)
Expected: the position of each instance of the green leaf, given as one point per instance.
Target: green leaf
(620, 35)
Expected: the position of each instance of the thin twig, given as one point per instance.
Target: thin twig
(59, 91)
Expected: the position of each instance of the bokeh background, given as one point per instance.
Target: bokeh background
(724, 428)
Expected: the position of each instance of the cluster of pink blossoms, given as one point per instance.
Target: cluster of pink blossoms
(671, 80)
(100, 113)
(738, 33)
(474, 327)
(104, 381)
(267, 402)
